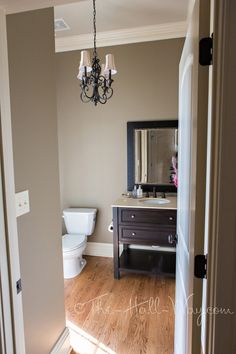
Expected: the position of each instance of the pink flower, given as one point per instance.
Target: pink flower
(175, 174)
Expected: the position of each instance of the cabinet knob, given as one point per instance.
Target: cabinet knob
(171, 218)
(132, 216)
(172, 239)
(133, 233)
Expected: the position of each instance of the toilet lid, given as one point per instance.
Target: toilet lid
(71, 242)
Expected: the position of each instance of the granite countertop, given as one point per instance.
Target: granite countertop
(125, 202)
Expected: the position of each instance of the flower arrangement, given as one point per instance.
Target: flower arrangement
(175, 171)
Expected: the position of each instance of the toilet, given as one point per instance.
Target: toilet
(80, 223)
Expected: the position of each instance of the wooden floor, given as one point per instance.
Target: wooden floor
(133, 315)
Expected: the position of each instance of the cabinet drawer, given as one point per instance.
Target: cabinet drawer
(147, 236)
(145, 216)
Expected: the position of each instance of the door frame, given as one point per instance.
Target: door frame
(6, 331)
(223, 20)
(221, 285)
(11, 239)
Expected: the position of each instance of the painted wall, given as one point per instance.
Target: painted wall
(35, 144)
(92, 140)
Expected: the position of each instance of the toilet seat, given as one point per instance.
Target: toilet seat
(72, 242)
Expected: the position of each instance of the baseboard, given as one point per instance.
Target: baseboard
(99, 249)
(106, 249)
(62, 346)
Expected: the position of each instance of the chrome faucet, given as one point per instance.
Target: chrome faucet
(154, 192)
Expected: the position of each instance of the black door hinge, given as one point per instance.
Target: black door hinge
(200, 266)
(18, 286)
(206, 51)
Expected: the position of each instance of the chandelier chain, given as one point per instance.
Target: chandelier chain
(94, 29)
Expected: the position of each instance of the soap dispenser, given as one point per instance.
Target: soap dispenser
(134, 192)
(139, 191)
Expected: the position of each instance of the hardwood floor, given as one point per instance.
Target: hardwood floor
(133, 315)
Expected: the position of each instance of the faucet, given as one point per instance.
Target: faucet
(163, 195)
(154, 192)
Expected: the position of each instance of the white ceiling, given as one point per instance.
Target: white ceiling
(13, 6)
(114, 15)
(118, 21)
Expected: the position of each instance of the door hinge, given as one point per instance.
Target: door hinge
(200, 266)
(18, 286)
(206, 51)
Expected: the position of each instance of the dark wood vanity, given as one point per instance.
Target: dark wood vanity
(147, 227)
(151, 148)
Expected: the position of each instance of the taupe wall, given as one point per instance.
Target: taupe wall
(34, 122)
(92, 140)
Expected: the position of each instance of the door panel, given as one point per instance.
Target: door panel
(193, 106)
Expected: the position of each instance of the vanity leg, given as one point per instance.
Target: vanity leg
(116, 260)
(116, 254)
(116, 273)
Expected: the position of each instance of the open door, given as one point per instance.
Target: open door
(193, 113)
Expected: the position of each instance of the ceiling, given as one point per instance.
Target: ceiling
(118, 21)
(13, 6)
(115, 15)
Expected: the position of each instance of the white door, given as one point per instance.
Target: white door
(193, 109)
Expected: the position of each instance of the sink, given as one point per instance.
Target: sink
(159, 201)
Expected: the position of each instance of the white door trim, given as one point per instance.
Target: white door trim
(5, 304)
(62, 346)
(9, 187)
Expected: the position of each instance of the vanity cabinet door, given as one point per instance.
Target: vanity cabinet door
(145, 216)
(147, 236)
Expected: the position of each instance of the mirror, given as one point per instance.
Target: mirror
(151, 147)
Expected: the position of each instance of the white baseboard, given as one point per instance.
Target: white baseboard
(62, 346)
(106, 249)
(99, 249)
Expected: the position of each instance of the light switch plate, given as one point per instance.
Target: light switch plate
(22, 203)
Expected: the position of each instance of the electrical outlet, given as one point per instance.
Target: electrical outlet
(22, 203)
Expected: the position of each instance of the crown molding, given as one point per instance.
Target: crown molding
(122, 36)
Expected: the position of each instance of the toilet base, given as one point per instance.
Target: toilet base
(73, 266)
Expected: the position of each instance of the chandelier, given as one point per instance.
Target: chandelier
(96, 79)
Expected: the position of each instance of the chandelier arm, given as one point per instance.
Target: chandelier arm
(102, 101)
(84, 98)
(109, 92)
(84, 93)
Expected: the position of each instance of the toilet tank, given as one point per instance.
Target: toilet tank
(80, 221)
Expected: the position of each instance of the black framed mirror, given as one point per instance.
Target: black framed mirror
(151, 146)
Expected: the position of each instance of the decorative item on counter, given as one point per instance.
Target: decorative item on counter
(127, 194)
(139, 192)
(134, 193)
(175, 171)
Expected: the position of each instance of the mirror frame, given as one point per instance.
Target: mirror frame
(131, 127)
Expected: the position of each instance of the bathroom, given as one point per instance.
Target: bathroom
(75, 156)
(93, 140)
